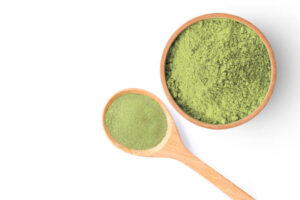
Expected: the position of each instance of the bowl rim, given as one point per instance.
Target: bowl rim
(273, 70)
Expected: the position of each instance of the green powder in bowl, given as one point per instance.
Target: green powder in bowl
(136, 121)
(218, 71)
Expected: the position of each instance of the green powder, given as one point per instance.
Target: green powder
(136, 121)
(218, 71)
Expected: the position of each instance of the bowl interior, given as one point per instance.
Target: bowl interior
(272, 60)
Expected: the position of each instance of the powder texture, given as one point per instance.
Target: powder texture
(218, 71)
(136, 121)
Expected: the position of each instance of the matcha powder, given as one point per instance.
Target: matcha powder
(136, 121)
(218, 71)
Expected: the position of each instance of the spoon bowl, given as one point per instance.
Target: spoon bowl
(171, 146)
(146, 152)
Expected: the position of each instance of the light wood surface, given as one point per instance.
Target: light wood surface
(272, 59)
(171, 146)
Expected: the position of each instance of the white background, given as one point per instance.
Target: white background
(60, 61)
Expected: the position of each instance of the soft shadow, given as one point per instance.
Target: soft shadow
(280, 35)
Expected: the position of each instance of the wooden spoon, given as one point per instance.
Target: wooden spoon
(171, 146)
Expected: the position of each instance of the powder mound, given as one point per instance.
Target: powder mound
(136, 121)
(218, 71)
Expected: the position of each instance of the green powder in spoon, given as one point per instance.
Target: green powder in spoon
(218, 71)
(136, 121)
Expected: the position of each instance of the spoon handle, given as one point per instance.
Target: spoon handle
(233, 191)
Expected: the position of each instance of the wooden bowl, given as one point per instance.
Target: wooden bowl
(273, 70)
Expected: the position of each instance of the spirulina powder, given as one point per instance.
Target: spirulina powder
(136, 121)
(218, 71)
